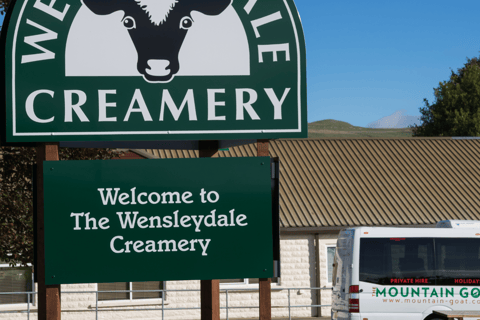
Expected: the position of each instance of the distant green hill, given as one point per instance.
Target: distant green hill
(339, 129)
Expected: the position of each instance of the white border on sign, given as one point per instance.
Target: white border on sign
(299, 79)
(13, 69)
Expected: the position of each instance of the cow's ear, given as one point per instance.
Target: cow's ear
(103, 7)
(211, 7)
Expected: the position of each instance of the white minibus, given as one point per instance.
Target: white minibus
(406, 273)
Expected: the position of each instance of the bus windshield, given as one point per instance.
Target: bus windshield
(420, 261)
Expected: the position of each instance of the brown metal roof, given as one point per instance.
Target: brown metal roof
(373, 182)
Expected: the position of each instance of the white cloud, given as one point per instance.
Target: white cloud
(399, 119)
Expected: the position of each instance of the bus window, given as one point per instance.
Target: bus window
(458, 261)
(330, 262)
(399, 261)
(334, 273)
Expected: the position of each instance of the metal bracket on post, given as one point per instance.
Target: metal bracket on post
(275, 164)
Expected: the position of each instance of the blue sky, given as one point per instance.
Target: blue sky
(369, 59)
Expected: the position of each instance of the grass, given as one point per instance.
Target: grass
(339, 129)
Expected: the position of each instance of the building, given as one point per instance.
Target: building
(325, 186)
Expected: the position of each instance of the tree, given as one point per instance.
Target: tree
(456, 109)
(16, 197)
(3, 6)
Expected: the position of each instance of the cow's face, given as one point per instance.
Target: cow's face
(158, 39)
(157, 29)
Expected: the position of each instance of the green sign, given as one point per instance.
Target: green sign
(157, 220)
(116, 70)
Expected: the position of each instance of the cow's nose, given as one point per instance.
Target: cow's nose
(158, 68)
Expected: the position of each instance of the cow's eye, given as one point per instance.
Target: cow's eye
(129, 23)
(186, 23)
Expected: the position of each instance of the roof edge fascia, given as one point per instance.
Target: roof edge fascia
(337, 229)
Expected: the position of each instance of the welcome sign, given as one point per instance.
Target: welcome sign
(169, 219)
(105, 70)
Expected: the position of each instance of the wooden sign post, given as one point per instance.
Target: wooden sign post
(49, 307)
(265, 294)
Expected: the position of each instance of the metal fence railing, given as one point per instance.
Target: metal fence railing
(227, 307)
